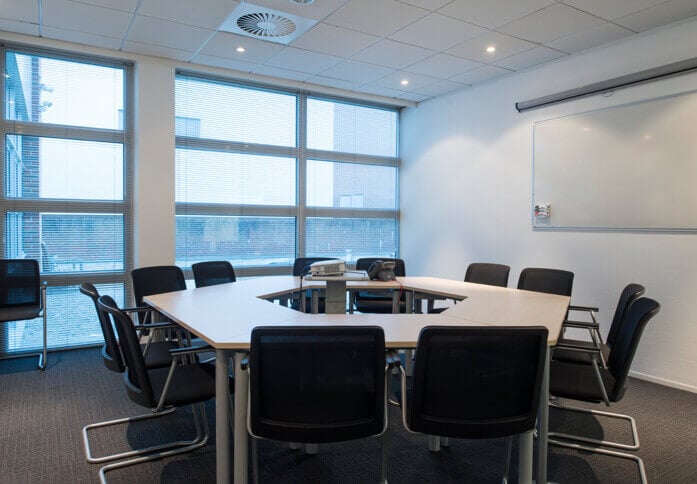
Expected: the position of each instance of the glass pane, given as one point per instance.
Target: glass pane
(214, 110)
(234, 178)
(45, 90)
(351, 238)
(66, 242)
(351, 185)
(347, 128)
(242, 240)
(71, 321)
(67, 169)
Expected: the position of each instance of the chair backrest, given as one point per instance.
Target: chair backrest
(477, 382)
(551, 281)
(156, 280)
(622, 353)
(364, 264)
(136, 376)
(629, 294)
(301, 266)
(489, 274)
(20, 285)
(111, 354)
(317, 384)
(211, 273)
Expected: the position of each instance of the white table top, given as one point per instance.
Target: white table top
(225, 315)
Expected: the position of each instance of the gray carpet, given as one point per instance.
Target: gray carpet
(42, 414)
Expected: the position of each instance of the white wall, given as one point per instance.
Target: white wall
(465, 195)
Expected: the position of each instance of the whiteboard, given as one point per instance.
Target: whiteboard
(627, 167)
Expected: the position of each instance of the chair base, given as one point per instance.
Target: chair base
(159, 452)
(555, 436)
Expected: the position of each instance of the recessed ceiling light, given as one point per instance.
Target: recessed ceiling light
(240, 49)
(302, 2)
(491, 49)
(404, 82)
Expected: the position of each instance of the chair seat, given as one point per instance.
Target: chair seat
(190, 384)
(569, 380)
(158, 354)
(19, 313)
(562, 354)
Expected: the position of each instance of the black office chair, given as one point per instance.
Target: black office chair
(156, 355)
(377, 301)
(183, 383)
(629, 294)
(480, 273)
(333, 391)
(22, 296)
(551, 281)
(211, 273)
(475, 382)
(593, 383)
(155, 280)
(301, 267)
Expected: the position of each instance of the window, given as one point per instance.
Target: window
(264, 176)
(66, 186)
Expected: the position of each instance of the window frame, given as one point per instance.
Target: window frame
(301, 211)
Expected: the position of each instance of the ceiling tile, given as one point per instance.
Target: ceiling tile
(440, 88)
(382, 91)
(282, 73)
(392, 54)
(19, 27)
(443, 66)
(337, 83)
(416, 81)
(20, 10)
(355, 71)
(302, 60)
(413, 96)
(123, 5)
(172, 35)
(551, 23)
(659, 15)
(333, 40)
(64, 14)
(529, 58)
(157, 51)
(225, 63)
(208, 14)
(492, 13)
(427, 4)
(377, 17)
(223, 44)
(614, 9)
(602, 34)
(482, 74)
(437, 32)
(506, 46)
(81, 38)
(315, 10)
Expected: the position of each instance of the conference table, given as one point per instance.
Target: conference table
(225, 315)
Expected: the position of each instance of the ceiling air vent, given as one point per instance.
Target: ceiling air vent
(266, 24)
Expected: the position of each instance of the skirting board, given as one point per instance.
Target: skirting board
(663, 381)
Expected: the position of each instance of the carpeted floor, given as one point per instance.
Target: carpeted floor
(42, 414)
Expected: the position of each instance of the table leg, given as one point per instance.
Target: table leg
(525, 445)
(543, 420)
(240, 436)
(222, 417)
(409, 302)
(335, 298)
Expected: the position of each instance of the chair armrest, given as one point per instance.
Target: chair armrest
(582, 324)
(584, 308)
(244, 364)
(138, 309)
(189, 350)
(589, 347)
(392, 359)
(156, 326)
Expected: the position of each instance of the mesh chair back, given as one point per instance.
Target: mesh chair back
(551, 281)
(138, 382)
(301, 266)
(629, 294)
(624, 348)
(474, 382)
(111, 354)
(211, 273)
(489, 274)
(317, 384)
(156, 280)
(365, 263)
(20, 289)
